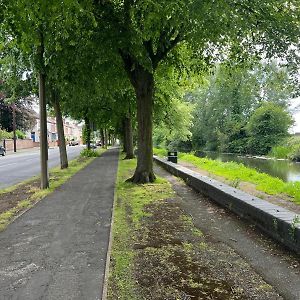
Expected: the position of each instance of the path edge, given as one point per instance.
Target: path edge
(109, 248)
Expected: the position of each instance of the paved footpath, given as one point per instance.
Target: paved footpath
(57, 250)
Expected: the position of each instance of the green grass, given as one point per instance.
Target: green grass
(128, 213)
(236, 172)
(56, 178)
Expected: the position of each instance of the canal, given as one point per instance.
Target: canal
(283, 169)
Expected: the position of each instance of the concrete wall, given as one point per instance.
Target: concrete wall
(279, 223)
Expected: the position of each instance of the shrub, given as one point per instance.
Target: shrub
(280, 152)
(267, 126)
(295, 155)
(160, 152)
(20, 134)
(5, 135)
(89, 153)
(289, 148)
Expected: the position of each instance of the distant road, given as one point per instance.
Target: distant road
(18, 167)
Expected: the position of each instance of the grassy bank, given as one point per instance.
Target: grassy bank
(20, 197)
(238, 172)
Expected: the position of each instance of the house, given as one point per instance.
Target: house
(72, 130)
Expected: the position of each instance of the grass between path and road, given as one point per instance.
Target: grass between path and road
(20, 197)
(236, 173)
(158, 253)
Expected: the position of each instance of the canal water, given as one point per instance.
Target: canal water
(283, 169)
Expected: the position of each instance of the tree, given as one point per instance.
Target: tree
(175, 128)
(267, 126)
(39, 30)
(232, 93)
(60, 129)
(147, 33)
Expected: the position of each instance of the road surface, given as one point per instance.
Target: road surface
(18, 167)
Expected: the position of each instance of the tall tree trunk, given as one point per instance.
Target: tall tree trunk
(128, 137)
(60, 133)
(14, 126)
(43, 132)
(43, 117)
(105, 138)
(143, 83)
(88, 132)
(102, 137)
(124, 139)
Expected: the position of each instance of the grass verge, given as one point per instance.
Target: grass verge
(158, 253)
(20, 197)
(236, 172)
(129, 211)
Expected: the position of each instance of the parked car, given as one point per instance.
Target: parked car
(73, 143)
(99, 144)
(93, 146)
(2, 151)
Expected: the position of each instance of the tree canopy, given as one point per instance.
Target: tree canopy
(99, 57)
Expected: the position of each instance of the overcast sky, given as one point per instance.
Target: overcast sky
(296, 114)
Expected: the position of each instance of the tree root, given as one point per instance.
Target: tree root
(129, 156)
(142, 178)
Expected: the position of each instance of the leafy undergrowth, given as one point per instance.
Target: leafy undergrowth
(236, 172)
(16, 199)
(158, 253)
(289, 148)
(91, 152)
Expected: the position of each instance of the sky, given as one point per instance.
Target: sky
(295, 109)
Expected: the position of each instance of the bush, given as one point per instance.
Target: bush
(89, 153)
(5, 135)
(267, 127)
(20, 135)
(160, 152)
(295, 155)
(237, 146)
(280, 152)
(289, 148)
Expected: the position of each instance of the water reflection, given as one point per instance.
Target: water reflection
(283, 169)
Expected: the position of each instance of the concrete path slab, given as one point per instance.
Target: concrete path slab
(57, 250)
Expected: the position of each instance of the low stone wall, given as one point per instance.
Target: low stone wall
(279, 223)
(24, 144)
(53, 144)
(21, 144)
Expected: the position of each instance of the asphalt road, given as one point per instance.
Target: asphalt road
(18, 167)
(57, 250)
